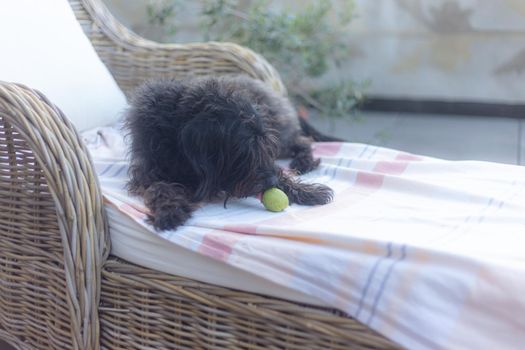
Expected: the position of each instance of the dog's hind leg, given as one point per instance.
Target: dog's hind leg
(302, 158)
(169, 205)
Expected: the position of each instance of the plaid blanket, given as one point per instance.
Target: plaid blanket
(430, 253)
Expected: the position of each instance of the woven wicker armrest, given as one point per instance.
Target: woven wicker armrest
(53, 233)
(132, 59)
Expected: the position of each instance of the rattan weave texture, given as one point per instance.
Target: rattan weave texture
(146, 309)
(52, 227)
(132, 59)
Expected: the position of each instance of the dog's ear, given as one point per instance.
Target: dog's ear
(200, 141)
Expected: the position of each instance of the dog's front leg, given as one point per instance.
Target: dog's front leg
(169, 205)
(304, 193)
(302, 158)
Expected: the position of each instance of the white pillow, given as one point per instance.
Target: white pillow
(42, 45)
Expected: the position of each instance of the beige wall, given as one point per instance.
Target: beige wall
(445, 49)
(437, 49)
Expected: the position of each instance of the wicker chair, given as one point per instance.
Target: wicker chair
(59, 286)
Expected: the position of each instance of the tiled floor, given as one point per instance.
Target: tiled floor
(445, 136)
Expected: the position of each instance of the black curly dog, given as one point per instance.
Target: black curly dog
(207, 138)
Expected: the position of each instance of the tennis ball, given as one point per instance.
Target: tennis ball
(274, 199)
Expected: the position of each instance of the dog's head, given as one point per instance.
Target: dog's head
(230, 147)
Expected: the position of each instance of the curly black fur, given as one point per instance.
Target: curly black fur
(205, 138)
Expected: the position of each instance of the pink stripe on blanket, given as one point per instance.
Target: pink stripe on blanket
(326, 148)
(409, 157)
(391, 167)
(134, 211)
(371, 181)
(397, 166)
(218, 246)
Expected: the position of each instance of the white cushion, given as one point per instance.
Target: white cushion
(43, 46)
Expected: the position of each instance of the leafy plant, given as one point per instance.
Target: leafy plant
(163, 13)
(303, 45)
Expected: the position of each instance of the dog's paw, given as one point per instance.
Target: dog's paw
(303, 165)
(168, 204)
(312, 194)
(169, 218)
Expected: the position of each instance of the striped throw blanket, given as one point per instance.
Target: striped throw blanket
(430, 253)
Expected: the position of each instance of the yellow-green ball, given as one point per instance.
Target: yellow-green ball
(274, 199)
